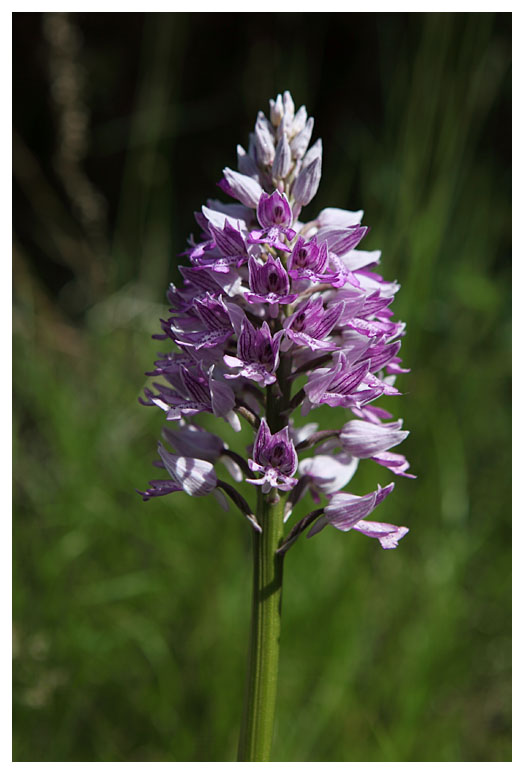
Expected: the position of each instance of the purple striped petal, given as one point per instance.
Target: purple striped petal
(368, 439)
(194, 476)
(345, 510)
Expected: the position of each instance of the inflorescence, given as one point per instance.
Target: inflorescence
(268, 301)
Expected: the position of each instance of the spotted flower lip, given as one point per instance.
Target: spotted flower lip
(275, 457)
(275, 216)
(276, 316)
(269, 282)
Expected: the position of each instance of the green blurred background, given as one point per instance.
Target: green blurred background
(131, 619)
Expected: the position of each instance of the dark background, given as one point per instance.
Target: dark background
(131, 619)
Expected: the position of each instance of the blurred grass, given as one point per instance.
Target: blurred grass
(131, 619)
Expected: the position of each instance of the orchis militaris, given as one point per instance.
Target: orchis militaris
(268, 299)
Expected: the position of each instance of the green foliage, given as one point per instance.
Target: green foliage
(131, 620)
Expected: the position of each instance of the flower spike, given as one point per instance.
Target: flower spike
(267, 300)
(272, 319)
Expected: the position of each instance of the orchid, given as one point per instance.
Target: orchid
(275, 457)
(275, 216)
(270, 298)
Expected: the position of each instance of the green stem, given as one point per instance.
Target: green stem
(261, 689)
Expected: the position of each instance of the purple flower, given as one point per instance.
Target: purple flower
(341, 385)
(348, 512)
(310, 261)
(311, 324)
(198, 283)
(192, 390)
(230, 245)
(345, 509)
(269, 282)
(196, 477)
(207, 326)
(274, 457)
(257, 354)
(226, 246)
(275, 216)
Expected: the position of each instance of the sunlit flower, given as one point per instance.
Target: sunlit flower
(269, 299)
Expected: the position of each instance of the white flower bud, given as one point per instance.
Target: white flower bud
(307, 182)
(315, 152)
(264, 141)
(283, 159)
(299, 121)
(276, 110)
(300, 142)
